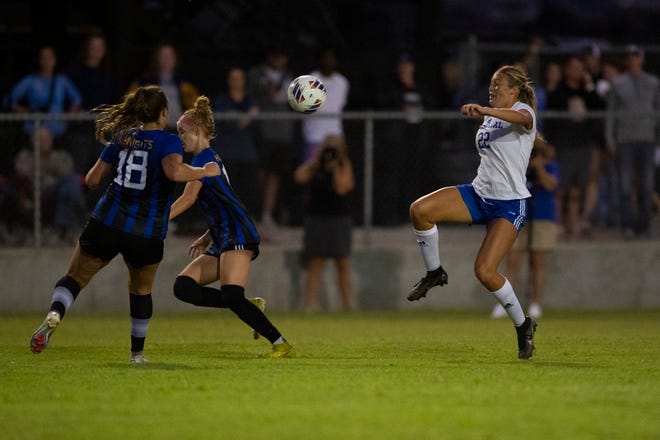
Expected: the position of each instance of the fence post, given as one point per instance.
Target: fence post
(368, 176)
(37, 184)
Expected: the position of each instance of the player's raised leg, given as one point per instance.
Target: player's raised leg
(445, 204)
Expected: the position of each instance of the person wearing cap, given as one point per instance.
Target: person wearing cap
(632, 131)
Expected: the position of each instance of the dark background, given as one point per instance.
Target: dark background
(214, 34)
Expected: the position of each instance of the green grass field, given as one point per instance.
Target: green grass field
(395, 375)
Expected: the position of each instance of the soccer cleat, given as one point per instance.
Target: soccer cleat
(283, 350)
(437, 277)
(261, 304)
(526, 338)
(137, 357)
(41, 337)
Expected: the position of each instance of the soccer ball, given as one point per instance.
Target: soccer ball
(306, 94)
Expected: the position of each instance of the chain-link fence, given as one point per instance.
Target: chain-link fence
(395, 160)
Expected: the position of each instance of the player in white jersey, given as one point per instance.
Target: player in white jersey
(496, 197)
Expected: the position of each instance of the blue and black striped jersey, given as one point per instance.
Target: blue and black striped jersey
(139, 198)
(229, 222)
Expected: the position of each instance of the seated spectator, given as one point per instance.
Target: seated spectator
(62, 195)
(163, 70)
(45, 91)
(15, 208)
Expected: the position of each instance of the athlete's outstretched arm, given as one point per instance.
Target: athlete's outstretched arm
(179, 171)
(186, 199)
(521, 116)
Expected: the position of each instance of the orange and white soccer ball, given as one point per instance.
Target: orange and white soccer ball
(306, 94)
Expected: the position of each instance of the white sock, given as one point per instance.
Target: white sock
(139, 327)
(64, 296)
(428, 244)
(279, 340)
(507, 297)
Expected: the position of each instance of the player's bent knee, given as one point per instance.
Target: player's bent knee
(484, 274)
(416, 209)
(185, 288)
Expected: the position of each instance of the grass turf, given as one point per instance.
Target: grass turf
(366, 375)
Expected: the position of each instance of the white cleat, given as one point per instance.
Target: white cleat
(41, 337)
(137, 357)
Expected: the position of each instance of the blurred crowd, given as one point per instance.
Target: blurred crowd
(608, 162)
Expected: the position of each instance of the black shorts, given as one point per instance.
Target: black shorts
(215, 251)
(105, 243)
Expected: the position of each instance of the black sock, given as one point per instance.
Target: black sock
(141, 311)
(187, 290)
(234, 297)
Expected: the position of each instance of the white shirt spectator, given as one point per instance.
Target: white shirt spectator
(315, 128)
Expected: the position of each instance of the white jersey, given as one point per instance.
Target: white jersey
(504, 149)
(315, 129)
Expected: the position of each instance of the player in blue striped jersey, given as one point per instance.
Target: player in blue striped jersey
(231, 242)
(131, 218)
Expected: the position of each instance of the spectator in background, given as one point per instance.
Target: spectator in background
(268, 83)
(315, 129)
(163, 70)
(400, 144)
(237, 145)
(539, 235)
(62, 198)
(607, 210)
(328, 177)
(632, 133)
(91, 74)
(593, 64)
(16, 195)
(611, 69)
(46, 91)
(550, 79)
(575, 138)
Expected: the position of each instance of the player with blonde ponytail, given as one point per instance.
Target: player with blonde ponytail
(496, 197)
(225, 250)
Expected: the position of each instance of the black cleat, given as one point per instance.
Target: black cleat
(526, 338)
(437, 277)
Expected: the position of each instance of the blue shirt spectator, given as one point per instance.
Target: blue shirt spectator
(45, 92)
